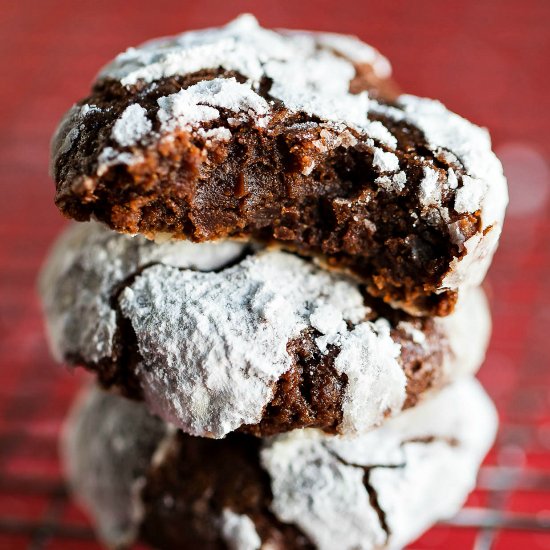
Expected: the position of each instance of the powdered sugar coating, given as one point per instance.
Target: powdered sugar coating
(356, 50)
(385, 161)
(469, 196)
(110, 156)
(368, 359)
(324, 497)
(232, 332)
(455, 138)
(241, 46)
(430, 192)
(239, 531)
(447, 448)
(196, 104)
(83, 271)
(108, 444)
(466, 141)
(394, 183)
(256, 53)
(468, 332)
(297, 64)
(318, 481)
(323, 485)
(483, 187)
(132, 125)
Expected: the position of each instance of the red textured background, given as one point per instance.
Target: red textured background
(488, 60)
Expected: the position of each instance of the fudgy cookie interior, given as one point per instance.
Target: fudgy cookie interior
(297, 182)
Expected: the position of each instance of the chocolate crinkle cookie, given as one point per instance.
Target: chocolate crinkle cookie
(142, 479)
(218, 337)
(286, 137)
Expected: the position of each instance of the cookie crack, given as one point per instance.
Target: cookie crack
(426, 440)
(309, 394)
(371, 491)
(375, 503)
(126, 282)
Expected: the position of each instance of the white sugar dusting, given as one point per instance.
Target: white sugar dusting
(376, 130)
(132, 125)
(376, 382)
(469, 196)
(84, 269)
(471, 145)
(111, 157)
(385, 182)
(322, 496)
(239, 532)
(452, 180)
(302, 85)
(399, 180)
(385, 161)
(483, 188)
(327, 319)
(394, 183)
(296, 62)
(430, 191)
(241, 46)
(216, 134)
(232, 332)
(297, 65)
(199, 103)
(356, 50)
(88, 108)
(107, 448)
(467, 332)
(318, 480)
(418, 337)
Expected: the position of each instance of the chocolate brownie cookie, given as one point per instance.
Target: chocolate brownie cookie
(218, 337)
(290, 137)
(141, 479)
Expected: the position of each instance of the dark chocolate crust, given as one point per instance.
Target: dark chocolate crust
(258, 185)
(184, 497)
(310, 394)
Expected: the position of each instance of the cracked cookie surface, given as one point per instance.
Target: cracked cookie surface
(218, 337)
(141, 478)
(289, 137)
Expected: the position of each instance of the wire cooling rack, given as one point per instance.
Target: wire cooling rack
(485, 59)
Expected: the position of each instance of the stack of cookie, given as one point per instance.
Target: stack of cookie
(280, 290)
